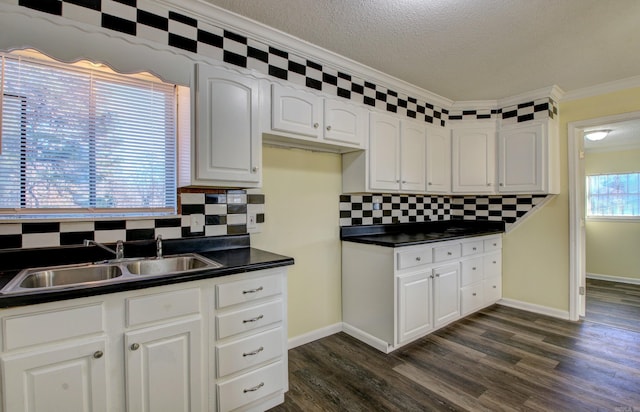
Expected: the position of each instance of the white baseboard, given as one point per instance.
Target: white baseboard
(366, 338)
(314, 335)
(530, 307)
(633, 281)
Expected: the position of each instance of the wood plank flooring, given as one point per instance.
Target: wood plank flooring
(613, 303)
(499, 359)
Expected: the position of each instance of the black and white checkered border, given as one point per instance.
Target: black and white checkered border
(153, 22)
(545, 108)
(376, 209)
(383, 208)
(508, 208)
(224, 214)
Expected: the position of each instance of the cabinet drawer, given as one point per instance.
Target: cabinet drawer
(232, 293)
(447, 252)
(52, 325)
(249, 352)
(492, 290)
(471, 248)
(250, 387)
(471, 298)
(492, 244)
(161, 306)
(414, 257)
(471, 270)
(492, 265)
(248, 319)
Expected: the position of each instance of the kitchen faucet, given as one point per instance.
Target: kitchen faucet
(119, 252)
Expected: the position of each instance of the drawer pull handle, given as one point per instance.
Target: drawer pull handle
(255, 388)
(418, 258)
(474, 294)
(98, 354)
(257, 318)
(475, 248)
(449, 253)
(135, 346)
(473, 268)
(495, 287)
(256, 290)
(494, 262)
(252, 353)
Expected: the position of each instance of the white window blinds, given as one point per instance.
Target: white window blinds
(613, 195)
(77, 140)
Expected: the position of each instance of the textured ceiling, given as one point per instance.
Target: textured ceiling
(469, 49)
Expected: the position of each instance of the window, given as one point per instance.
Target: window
(79, 140)
(613, 195)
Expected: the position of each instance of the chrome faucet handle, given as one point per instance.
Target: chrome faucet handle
(119, 250)
(159, 246)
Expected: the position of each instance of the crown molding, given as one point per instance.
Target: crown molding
(474, 104)
(553, 92)
(228, 20)
(603, 88)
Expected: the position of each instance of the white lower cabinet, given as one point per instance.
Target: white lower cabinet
(154, 349)
(392, 296)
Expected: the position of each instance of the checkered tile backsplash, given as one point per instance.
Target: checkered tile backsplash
(225, 212)
(378, 209)
(152, 21)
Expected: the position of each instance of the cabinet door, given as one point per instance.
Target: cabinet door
(520, 159)
(65, 378)
(384, 156)
(473, 156)
(438, 160)
(446, 292)
(345, 123)
(227, 141)
(414, 305)
(164, 368)
(295, 111)
(412, 157)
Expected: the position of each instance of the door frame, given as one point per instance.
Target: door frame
(577, 176)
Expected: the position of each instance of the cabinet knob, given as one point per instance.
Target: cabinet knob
(437, 275)
(495, 287)
(501, 184)
(488, 184)
(494, 262)
(329, 128)
(429, 183)
(254, 169)
(474, 294)
(418, 258)
(134, 346)
(98, 354)
(448, 253)
(397, 181)
(474, 249)
(316, 125)
(473, 268)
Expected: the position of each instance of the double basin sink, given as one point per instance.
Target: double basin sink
(59, 277)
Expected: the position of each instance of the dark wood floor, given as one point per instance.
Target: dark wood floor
(500, 359)
(613, 303)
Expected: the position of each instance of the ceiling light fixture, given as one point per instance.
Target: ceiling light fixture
(595, 135)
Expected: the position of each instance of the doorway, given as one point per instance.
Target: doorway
(577, 178)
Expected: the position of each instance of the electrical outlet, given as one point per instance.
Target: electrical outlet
(197, 223)
(251, 221)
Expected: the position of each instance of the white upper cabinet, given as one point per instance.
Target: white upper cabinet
(303, 119)
(226, 148)
(384, 152)
(473, 159)
(395, 161)
(412, 156)
(527, 159)
(438, 160)
(295, 111)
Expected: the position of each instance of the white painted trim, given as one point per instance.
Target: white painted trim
(314, 335)
(530, 307)
(619, 279)
(577, 271)
(554, 92)
(604, 88)
(370, 340)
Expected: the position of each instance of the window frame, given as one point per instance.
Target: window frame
(170, 182)
(608, 218)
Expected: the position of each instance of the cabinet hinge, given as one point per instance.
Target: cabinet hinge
(581, 154)
(581, 291)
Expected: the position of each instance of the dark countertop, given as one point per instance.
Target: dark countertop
(233, 252)
(407, 234)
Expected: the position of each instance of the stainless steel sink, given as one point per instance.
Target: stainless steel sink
(170, 264)
(70, 276)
